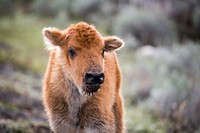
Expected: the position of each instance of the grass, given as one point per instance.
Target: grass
(20, 126)
(23, 59)
(139, 120)
(23, 34)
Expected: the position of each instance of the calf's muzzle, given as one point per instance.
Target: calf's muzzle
(93, 81)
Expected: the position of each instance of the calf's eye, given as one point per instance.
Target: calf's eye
(71, 52)
(103, 53)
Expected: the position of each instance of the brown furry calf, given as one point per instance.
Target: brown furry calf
(81, 92)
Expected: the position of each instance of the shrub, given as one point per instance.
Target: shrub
(50, 8)
(172, 79)
(142, 27)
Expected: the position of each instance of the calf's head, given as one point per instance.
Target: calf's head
(81, 54)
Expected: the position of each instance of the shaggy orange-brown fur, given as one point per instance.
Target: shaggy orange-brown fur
(70, 107)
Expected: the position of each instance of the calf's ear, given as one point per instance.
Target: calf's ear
(52, 37)
(112, 43)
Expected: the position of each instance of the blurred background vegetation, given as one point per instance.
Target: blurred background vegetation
(160, 61)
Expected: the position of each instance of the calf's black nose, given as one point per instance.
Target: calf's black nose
(94, 78)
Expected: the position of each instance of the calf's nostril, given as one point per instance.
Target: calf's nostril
(101, 78)
(89, 78)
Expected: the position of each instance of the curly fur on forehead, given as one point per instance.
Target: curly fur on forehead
(86, 35)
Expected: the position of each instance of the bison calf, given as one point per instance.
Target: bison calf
(81, 91)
